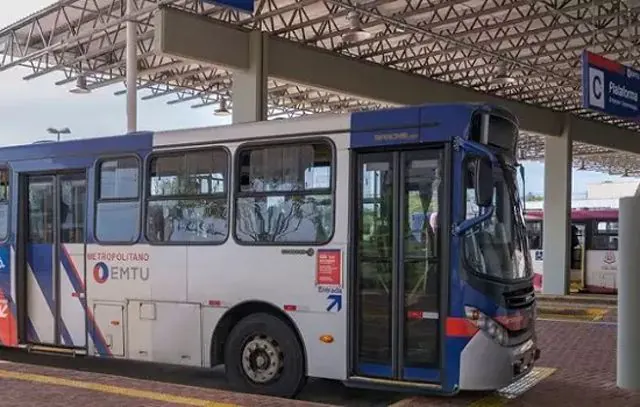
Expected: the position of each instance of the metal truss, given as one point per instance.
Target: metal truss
(585, 156)
(519, 49)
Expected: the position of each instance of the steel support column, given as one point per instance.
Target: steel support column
(628, 355)
(249, 90)
(557, 213)
(132, 68)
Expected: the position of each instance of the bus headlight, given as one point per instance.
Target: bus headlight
(496, 331)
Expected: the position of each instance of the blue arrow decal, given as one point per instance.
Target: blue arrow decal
(335, 301)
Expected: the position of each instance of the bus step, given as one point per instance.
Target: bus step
(392, 385)
(56, 350)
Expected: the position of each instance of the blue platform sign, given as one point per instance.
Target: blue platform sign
(610, 87)
(242, 5)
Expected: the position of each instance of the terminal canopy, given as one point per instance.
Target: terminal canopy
(516, 50)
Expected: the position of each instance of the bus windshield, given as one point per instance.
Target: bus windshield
(497, 247)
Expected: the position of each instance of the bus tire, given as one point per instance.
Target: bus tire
(263, 355)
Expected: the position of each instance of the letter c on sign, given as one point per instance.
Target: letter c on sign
(597, 87)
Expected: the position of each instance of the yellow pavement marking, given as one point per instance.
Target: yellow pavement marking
(404, 402)
(103, 388)
(490, 401)
(589, 314)
(598, 313)
(561, 317)
(578, 321)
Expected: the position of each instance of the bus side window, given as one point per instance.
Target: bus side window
(187, 199)
(605, 236)
(118, 200)
(534, 232)
(5, 176)
(575, 241)
(285, 194)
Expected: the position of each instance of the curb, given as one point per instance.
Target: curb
(577, 299)
(585, 312)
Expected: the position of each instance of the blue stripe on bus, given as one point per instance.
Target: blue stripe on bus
(5, 294)
(453, 346)
(421, 374)
(76, 281)
(408, 373)
(453, 352)
(5, 272)
(32, 334)
(64, 262)
(374, 369)
(5, 286)
(39, 257)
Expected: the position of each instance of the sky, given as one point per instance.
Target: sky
(28, 108)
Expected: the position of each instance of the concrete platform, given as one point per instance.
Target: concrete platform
(577, 368)
(593, 307)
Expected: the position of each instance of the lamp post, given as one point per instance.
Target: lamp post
(58, 132)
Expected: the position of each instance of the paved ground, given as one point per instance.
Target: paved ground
(197, 383)
(577, 368)
(585, 358)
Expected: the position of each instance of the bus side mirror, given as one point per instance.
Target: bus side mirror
(483, 182)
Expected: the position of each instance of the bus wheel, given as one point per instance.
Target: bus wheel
(263, 355)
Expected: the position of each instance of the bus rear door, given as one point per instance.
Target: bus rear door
(51, 259)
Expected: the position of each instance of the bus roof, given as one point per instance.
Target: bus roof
(436, 121)
(97, 145)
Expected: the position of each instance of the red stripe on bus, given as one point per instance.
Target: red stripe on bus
(460, 327)
(414, 315)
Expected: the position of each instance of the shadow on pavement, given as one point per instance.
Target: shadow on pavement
(317, 390)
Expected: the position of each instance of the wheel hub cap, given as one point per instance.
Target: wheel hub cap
(262, 359)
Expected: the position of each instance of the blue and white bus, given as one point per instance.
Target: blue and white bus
(384, 249)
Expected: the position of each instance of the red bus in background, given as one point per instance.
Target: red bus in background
(594, 249)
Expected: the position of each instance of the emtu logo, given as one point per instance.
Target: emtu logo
(596, 88)
(100, 273)
(609, 257)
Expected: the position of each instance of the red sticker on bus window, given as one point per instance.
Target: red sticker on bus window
(328, 267)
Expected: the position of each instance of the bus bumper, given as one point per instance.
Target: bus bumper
(486, 365)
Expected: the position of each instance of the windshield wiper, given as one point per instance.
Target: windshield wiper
(515, 203)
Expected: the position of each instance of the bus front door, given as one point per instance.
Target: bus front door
(52, 255)
(577, 273)
(396, 317)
